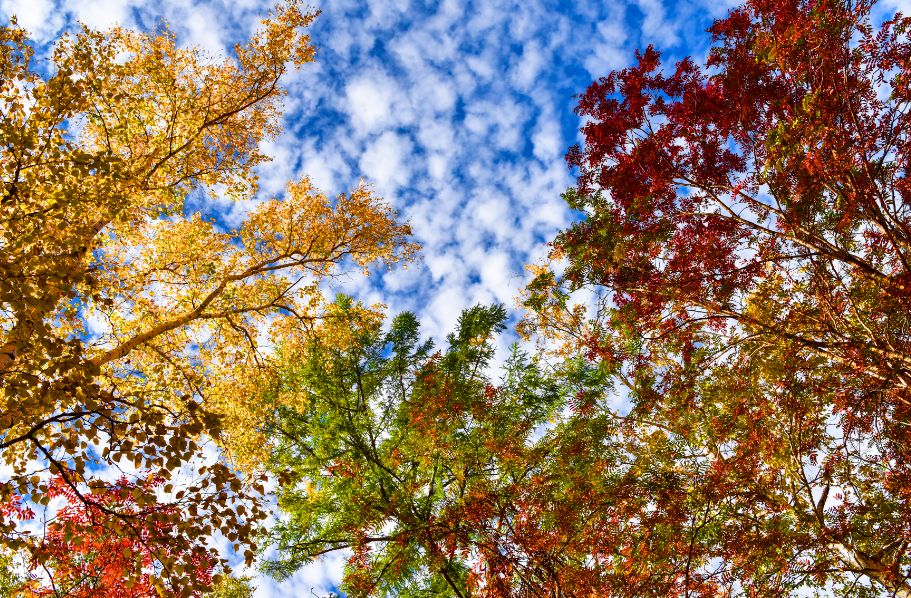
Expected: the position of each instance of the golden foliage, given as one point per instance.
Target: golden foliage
(127, 320)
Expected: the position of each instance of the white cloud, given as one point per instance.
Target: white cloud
(495, 268)
(548, 140)
(609, 52)
(655, 28)
(433, 93)
(493, 211)
(101, 13)
(40, 17)
(530, 65)
(319, 577)
(437, 166)
(322, 168)
(483, 67)
(387, 161)
(371, 98)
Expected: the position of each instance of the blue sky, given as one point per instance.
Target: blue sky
(459, 112)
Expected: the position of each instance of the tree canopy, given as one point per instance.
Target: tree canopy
(719, 406)
(131, 326)
(403, 457)
(745, 247)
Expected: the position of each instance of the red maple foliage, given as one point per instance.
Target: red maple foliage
(747, 226)
(787, 167)
(83, 553)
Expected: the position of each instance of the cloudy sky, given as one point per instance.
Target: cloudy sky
(459, 112)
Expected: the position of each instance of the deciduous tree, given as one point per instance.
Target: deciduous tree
(131, 326)
(745, 245)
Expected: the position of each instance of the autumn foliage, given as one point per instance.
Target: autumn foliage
(745, 254)
(740, 280)
(404, 457)
(131, 323)
(87, 554)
